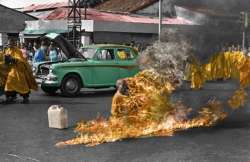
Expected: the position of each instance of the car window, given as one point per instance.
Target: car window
(88, 53)
(124, 54)
(105, 54)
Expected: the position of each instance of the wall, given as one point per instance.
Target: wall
(3, 39)
(124, 38)
(12, 21)
(152, 10)
(46, 26)
(125, 27)
(195, 17)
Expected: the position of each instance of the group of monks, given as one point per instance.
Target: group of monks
(16, 76)
(232, 63)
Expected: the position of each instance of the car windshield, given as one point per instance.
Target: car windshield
(88, 52)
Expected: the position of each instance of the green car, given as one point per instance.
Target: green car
(94, 66)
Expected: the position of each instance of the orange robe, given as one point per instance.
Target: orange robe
(207, 70)
(227, 65)
(20, 77)
(2, 72)
(245, 74)
(197, 75)
(238, 60)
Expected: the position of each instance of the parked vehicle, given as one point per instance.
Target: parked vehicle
(94, 66)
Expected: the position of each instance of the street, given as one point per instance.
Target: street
(25, 135)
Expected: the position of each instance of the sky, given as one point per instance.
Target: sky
(23, 3)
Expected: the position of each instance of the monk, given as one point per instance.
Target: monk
(19, 79)
(2, 74)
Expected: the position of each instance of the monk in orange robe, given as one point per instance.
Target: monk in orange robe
(19, 79)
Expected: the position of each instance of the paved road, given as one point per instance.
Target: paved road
(25, 136)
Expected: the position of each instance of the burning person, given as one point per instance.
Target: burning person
(19, 79)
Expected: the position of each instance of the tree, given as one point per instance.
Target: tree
(91, 3)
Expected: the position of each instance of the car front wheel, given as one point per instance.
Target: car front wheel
(71, 86)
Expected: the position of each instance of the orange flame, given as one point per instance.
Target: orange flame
(145, 111)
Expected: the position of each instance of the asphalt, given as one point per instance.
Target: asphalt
(25, 136)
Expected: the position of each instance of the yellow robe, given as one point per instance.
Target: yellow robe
(218, 65)
(213, 67)
(2, 72)
(227, 65)
(245, 74)
(207, 70)
(197, 75)
(20, 77)
(238, 60)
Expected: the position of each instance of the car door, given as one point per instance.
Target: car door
(105, 71)
(127, 62)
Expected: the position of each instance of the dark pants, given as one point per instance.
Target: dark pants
(14, 94)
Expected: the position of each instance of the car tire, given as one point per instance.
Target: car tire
(71, 86)
(49, 90)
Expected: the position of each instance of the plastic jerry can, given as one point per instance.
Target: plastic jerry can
(58, 117)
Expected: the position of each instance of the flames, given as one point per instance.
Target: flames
(142, 106)
(143, 109)
(238, 99)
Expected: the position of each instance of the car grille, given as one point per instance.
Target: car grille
(43, 70)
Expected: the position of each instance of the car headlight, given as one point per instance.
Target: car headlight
(34, 69)
(51, 76)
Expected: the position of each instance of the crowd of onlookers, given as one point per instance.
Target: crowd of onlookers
(39, 51)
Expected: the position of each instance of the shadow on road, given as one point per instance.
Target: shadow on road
(89, 93)
(224, 126)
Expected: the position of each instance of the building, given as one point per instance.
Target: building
(140, 7)
(102, 26)
(12, 23)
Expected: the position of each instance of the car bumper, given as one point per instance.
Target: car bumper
(47, 81)
(50, 83)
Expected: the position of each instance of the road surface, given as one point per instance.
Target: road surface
(25, 136)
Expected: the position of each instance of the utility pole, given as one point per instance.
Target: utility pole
(244, 21)
(85, 9)
(160, 20)
(74, 22)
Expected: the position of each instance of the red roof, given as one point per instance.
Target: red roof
(107, 5)
(124, 5)
(47, 6)
(92, 14)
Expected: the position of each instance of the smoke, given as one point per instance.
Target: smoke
(168, 56)
(220, 5)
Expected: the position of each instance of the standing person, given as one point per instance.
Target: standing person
(39, 55)
(30, 51)
(44, 48)
(24, 50)
(18, 44)
(19, 78)
(2, 74)
(53, 53)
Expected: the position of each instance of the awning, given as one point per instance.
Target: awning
(33, 36)
(43, 31)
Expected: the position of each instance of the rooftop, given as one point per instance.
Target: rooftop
(47, 6)
(129, 6)
(93, 14)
